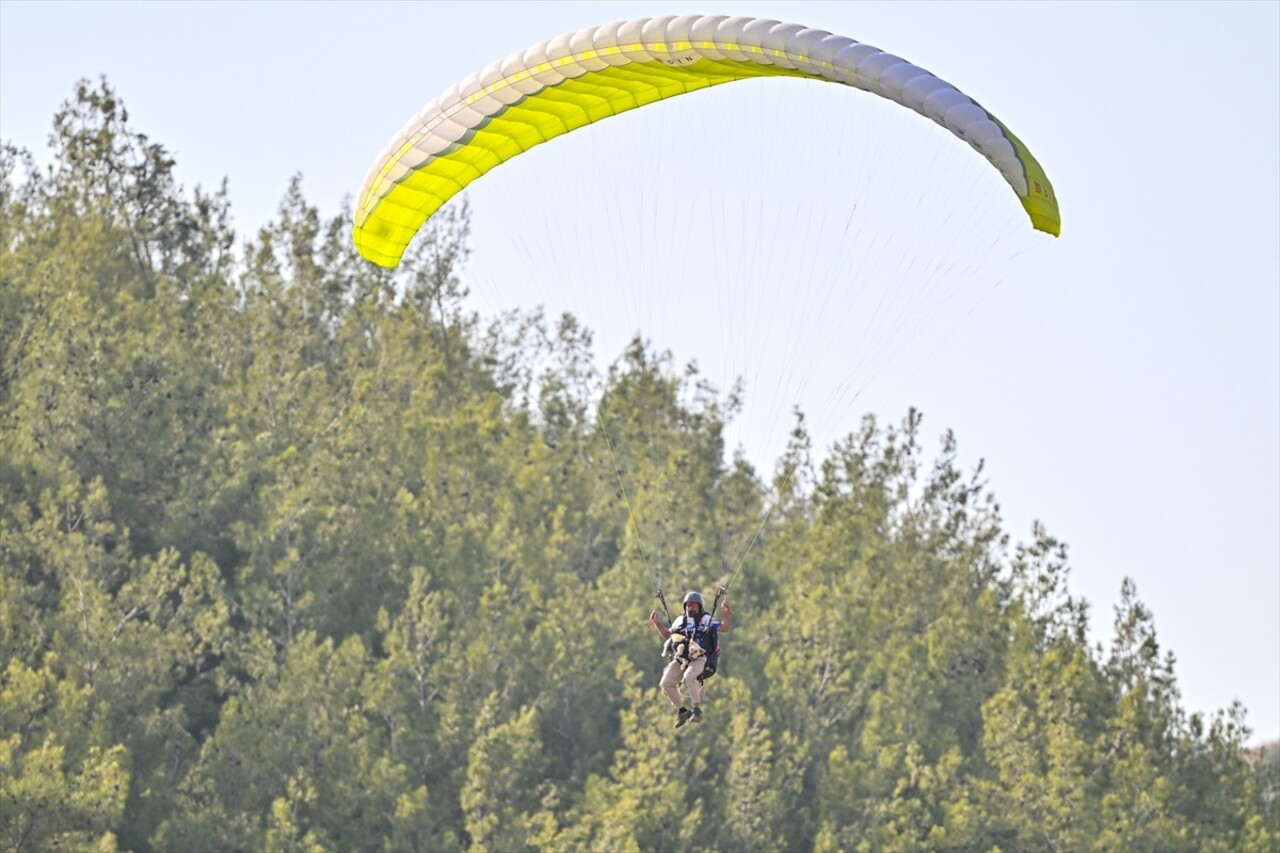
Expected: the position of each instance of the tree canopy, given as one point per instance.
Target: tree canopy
(299, 553)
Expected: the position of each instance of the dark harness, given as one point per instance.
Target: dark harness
(707, 636)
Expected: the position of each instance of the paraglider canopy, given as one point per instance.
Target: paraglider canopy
(570, 81)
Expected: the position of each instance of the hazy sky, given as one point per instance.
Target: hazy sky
(1122, 383)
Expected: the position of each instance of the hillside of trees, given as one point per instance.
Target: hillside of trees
(300, 554)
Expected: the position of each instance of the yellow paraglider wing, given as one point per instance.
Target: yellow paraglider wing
(575, 79)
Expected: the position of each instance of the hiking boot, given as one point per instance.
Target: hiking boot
(682, 716)
(696, 717)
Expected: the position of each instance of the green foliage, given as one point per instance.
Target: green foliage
(296, 553)
(504, 783)
(49, 803)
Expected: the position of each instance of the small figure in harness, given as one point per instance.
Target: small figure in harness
(693, 641)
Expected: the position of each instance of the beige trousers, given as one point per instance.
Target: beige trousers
(676, 672)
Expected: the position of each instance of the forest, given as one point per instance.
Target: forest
(297, 553)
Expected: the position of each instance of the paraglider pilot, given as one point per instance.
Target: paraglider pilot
(694, 644)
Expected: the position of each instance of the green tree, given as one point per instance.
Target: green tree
(296, 760)
(760, 777)
(653, 797)
(48, 802)
(504, 787)
(296, 553)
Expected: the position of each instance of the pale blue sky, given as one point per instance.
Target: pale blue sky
(1122, 383)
